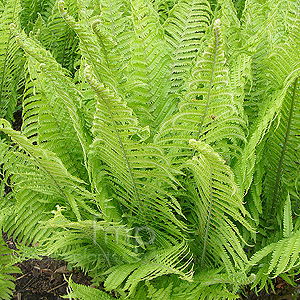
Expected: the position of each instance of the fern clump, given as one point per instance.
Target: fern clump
(159, 149)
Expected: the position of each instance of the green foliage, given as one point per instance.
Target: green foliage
(7, 268)
(159, 149)
(11, 62)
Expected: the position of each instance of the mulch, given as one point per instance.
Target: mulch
(45, 278)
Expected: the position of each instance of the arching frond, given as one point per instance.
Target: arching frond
(137, 172)
(208, 112)
(279, 257)
(40, 182)
(115, 18)
(70, 97)
(175, 260)
(93, 245)
(94, 52)
(47, 122)
(217, 205)
(83, 292)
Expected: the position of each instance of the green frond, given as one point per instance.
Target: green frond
(115, 17)
(7, 268)
(207, 113)
(92, 47)
(82, 292)
(137, 172)
(211, 284)
(239, 60)
(58, 37)
(92, 245)
(149, 68)
(47, 122)
(69, 95)
(11, 61)
(185, 28)
(163, 8)
(175, 260)
(159, 293)
(217, 205)
(279, 257)
(31, 9)
(282, 152)
(278, 100)
(40, 181)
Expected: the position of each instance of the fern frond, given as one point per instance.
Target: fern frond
(31, 9)
(138, 172)
(63, 86)
(94, 52)
(58, 37)
(184, 30)
(11, 61)
(47, 121)
(115, 17)
(40, 181)
(150, 64)
(286, 64)
(163, 8)
(218, 204)
(82, 292)
(281, 151)
(7, 268)
(92, 245)
(279, 257)
(212, 284)
(207, 113)
(175, 260)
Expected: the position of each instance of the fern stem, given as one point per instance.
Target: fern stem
(208, 220)
(279, 168)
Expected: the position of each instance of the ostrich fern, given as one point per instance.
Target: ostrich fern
(159, 148)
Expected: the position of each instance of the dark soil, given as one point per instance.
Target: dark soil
(283, 290)
(43, 279)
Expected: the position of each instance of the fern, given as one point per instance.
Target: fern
(11, 62)
(184, 29)
(175, 260)
(149, 65)
(159, 149)
(217, 202)
(118, 144)
(207, 113)
(79, 291)
(7, 285)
